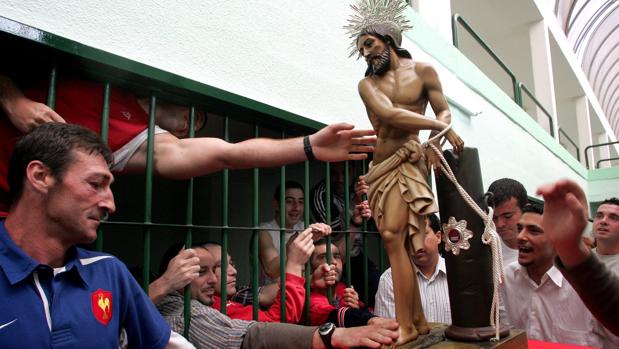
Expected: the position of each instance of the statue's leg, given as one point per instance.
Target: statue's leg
(417, 242)
(394, 232)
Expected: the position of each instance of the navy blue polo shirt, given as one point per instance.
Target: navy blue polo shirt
(86, 304)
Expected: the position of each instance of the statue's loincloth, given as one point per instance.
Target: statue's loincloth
(407, 169)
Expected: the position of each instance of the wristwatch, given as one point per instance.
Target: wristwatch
(326, 331)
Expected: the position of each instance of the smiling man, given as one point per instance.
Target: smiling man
(211, 329)
(298, 251)
(606, 232)
(52, 293)
(537, 297)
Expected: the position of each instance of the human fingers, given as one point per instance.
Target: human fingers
(55, 117)
(362, 136)
(357, 157)
(361, 148)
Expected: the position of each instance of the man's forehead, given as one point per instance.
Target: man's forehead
(99, 167)
(531, 218)
(608, 208)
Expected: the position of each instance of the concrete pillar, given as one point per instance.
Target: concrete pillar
(583, 125)
(543, 81)
(437, 14)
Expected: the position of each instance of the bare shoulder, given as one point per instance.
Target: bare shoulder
(426, 71)
(366, 83)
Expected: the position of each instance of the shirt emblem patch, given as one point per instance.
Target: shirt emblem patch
(126, 114)
(102, 305)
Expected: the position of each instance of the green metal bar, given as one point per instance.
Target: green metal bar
(148, 197)
(455, 19)
(189, 233)
(347, 222)
(224, 230)
(254, 238)
(562, 133)
(282, 239)
(328, 218)
(524, 88)
(51, 92)
(306, 220)
(597, 165)
(105, 126)
(595, 146)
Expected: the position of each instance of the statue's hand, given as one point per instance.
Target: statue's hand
(454, 139)
(432, 159)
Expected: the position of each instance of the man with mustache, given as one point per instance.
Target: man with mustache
(396, 91)
(536, 296)
(606, 232)
(431, 275)
(211, 329)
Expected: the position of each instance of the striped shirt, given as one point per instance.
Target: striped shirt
(209, 328)
(433, 290)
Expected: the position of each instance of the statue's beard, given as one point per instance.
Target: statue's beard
(382, 63)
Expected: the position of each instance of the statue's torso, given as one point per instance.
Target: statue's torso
(405, 88)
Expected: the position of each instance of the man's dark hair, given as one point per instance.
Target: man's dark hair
(435, 223)
(52, 144)
(610, 201)
(388, 40)
(533, 207)
(287, 185)
(506, 188)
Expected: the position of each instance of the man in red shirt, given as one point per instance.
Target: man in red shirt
(298, 251)
(344, 310)
(80, 101)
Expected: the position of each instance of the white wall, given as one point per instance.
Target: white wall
(289, 54)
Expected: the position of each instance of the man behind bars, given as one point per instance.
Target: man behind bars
(396, 91)
(211, 329)
(79, 101)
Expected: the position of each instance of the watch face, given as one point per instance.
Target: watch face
(326, 328)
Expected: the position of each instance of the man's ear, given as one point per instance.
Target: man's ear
(39, 176)
(439, 237)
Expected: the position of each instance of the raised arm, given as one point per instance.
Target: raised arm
(184, 158)
(24, 113)
(269, 256)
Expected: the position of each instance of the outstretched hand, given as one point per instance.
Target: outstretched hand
(564, 219)
(339, 142)
(371, 336)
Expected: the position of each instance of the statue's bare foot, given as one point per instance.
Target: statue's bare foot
(407, 334)
(423, 329)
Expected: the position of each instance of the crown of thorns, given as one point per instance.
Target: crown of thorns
(385, 14)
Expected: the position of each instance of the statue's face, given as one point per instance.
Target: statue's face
(376, 53)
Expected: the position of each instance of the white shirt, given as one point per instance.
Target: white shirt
(611, 261)
(510, 255)
(433, 290)
(550, 311)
